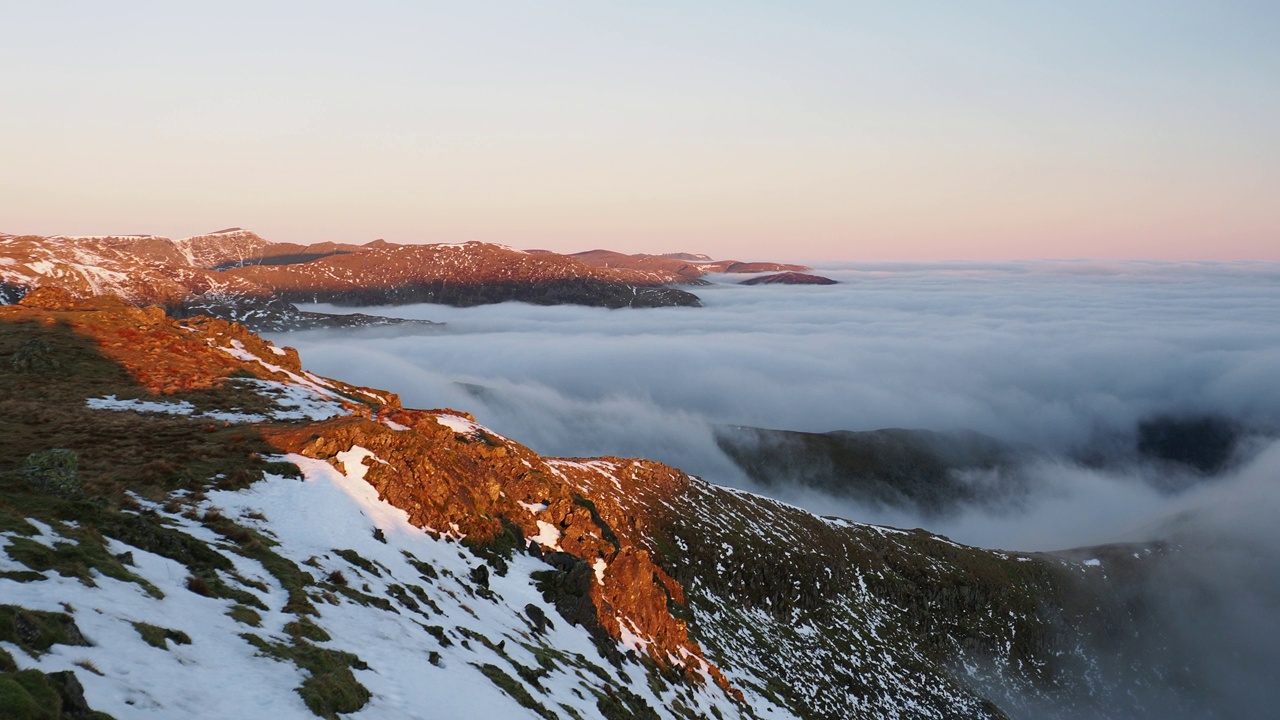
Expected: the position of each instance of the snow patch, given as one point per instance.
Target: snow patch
(548, 535)
(534, 508)
(463, 426)
(353, 461)
(146, 406)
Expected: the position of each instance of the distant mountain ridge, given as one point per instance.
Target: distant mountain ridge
(237, 273)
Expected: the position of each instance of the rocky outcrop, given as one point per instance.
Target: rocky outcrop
(453, 476)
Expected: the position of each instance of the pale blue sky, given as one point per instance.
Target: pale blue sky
(825, 130)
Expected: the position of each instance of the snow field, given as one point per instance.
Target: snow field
(221, 675)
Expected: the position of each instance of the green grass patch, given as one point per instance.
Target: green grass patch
(330, 687)
(439, 634)
(355, 559)
(22, 575)
(210, 585)
(512, 687)
(35, 695)
(14, 523)
(402, 596)
(364, 598)
(424, 569)
(256, 546)
(35, 631)
(573, 713)
(304, 629)
(158, 637)
(283, 468)
(27, 694)
(424, 598)
(83, 551)
(245, 615)
(619, 703)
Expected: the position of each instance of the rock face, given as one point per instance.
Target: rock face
(483, 487)
(789, 278)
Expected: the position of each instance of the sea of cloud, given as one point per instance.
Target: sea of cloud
(1060, 356)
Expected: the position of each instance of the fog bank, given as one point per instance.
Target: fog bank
(1060, 356)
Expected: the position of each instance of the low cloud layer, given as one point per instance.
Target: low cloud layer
(1061, 356)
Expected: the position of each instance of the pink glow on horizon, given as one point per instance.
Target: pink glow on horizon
(807, 131)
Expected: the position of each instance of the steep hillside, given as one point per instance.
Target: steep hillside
(184, 509)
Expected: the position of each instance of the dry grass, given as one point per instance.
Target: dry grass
(42, 406)
(88, 665)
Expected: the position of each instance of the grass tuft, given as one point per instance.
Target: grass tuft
(245, 615)
(330, 687)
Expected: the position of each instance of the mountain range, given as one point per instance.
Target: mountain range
(238, 275)
(192, 524)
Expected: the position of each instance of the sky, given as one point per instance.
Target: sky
(798, 131)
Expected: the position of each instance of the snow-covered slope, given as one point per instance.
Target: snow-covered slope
(143, 269)
(426, 637)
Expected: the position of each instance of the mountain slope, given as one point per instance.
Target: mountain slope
(225, 519)
(463, 274)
